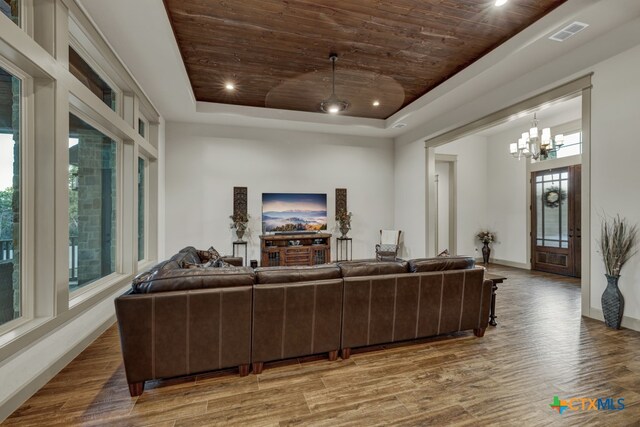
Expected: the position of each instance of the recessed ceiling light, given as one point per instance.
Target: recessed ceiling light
(500, 2)
(229, 86)
(376, 103)
(399, 125)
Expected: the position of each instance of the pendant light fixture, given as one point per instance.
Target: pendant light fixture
(535, 144)
(333, 104)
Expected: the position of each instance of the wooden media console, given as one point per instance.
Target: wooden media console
(295, 249)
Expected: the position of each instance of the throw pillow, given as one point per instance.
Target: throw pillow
(208, 255)
(220, 263)
(213, 263)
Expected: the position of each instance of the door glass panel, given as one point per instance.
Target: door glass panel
(539, 228)
(550, 216)
(552, 210)
(564, 212)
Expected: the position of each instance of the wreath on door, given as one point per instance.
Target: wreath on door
(553, 196)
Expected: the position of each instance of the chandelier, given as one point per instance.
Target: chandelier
(333, 104)
(536, 144)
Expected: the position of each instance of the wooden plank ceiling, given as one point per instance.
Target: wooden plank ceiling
(394, 51)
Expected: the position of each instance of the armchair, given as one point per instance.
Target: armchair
(387, 249)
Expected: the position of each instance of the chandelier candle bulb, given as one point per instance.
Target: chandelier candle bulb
(537, 144)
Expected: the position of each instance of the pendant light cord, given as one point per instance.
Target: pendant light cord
(333, 67)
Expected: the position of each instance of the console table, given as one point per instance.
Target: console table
(295, 249)
(495, 279)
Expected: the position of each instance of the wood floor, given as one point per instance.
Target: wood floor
(540, 348)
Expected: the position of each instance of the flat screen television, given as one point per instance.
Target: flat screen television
(293, 212)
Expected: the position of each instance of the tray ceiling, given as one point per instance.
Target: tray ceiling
(276, 53)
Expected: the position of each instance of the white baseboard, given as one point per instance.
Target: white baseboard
(523, 265)
(627, 322)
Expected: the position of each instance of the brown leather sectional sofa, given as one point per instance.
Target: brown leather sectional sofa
(177, 321)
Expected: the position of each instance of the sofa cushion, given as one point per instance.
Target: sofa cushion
(266, 275)
(233, 260)
(372, 268)
(196, 278)
(184, 258)
(164, 265)
(441, 264)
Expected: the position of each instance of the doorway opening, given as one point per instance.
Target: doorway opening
(445, 180)
(495, 192)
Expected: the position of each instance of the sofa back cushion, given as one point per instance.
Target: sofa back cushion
(271, 275)
(195, 278)
(373, 268)
(164, 265)
(442, 263)
(187, 257)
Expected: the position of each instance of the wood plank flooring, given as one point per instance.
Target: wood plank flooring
(540, 348)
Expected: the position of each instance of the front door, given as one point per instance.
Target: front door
(555, 221)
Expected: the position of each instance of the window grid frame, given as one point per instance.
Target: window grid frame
(116, 275)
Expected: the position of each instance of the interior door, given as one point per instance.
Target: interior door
(555, 221)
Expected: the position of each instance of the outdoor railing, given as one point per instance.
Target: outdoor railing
(6, 254)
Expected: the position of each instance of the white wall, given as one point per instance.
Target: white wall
(205, 162)
(409, 196)
(471, 197)
(507, 198)
(615, 175)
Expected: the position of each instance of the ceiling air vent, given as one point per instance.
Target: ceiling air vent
(568, 31)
